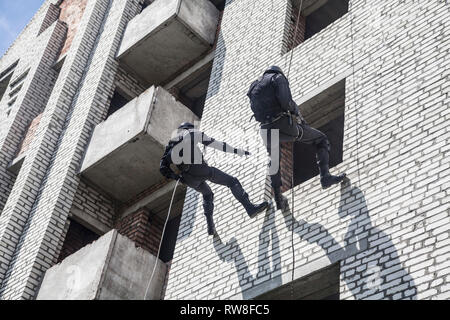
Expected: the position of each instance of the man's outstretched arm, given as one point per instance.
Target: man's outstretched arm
(222, 146)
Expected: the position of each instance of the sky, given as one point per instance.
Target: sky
(14, 16)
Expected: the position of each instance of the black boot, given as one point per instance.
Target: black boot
(328, 180)
(210, 223)
(208, 206)
(280, 200)
(242, 197)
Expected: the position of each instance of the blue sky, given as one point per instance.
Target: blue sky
(14, 16)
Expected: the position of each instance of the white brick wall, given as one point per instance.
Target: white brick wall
(389, 230)
(395, 146)
(49, 173)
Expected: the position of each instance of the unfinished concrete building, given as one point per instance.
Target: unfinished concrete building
(91, 91)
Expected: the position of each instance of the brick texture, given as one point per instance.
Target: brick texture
(71, 12)
(76, 238)
(143, 228)
(389, 228)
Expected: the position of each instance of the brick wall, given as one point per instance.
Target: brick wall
(29, 135)
(388, 229)
(71, 13)
(76, 238)
(143, 228)
(49, 172)
(95, 204)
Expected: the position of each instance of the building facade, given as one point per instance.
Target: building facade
(91, 91)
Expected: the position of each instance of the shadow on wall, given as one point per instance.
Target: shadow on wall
(188, 217)
(384, 275)
(382, 278)
(231, 252)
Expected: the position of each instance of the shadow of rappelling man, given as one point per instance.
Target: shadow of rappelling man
(281, 121)
(381, 273)
(183, 151)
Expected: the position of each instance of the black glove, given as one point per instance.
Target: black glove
(174, 176)
(242, 152)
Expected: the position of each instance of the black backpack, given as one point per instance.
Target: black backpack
(263, 101)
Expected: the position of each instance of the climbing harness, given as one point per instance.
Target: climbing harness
(162, 235)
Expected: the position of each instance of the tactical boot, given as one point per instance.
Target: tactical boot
(242, 197)
(210, 223)
(253, 210)
(328, 180)
(281, 201)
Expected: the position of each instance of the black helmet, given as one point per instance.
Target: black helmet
(186, 125)
(274, 69)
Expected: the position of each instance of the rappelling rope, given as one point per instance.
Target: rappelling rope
(162, 236)
(173, 195)
(354, 90)
(293, 150)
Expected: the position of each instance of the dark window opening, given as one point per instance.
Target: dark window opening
(145, 4)
(316, 15)
(326, 113)
(220, 4)
(319, 285)
(77, 237)
(159, 208)
(192, 91)
(118, 101)
(169, 239)
(324, 15)
(5, 78)
(4, 85)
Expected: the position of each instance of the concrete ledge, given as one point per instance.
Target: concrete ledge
(167, 36)
(111, 268)
(125, 150)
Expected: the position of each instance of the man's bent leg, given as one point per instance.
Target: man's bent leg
(280, 200)
(208, 204)
(322, 144)
(239, 193)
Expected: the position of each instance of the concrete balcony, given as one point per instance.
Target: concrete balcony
(125, 150)
(111, 268)
(166, 37)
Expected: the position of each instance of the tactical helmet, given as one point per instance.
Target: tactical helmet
(274, 69)
(186, 125)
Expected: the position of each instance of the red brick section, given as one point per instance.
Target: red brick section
(287, 149)
(29, 136)
(300, 33)
(286, 165)
(77, 237)
(71, 13)
(144, 231)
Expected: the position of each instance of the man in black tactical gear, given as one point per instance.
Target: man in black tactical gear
(183, 152)
(272, 104)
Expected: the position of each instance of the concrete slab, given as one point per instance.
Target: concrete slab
(167, 36)
(125, 150)
(111, 268)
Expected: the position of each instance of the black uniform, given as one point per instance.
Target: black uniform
(194, 171)
(272, 103)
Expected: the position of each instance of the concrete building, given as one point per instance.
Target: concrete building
(91, 90)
